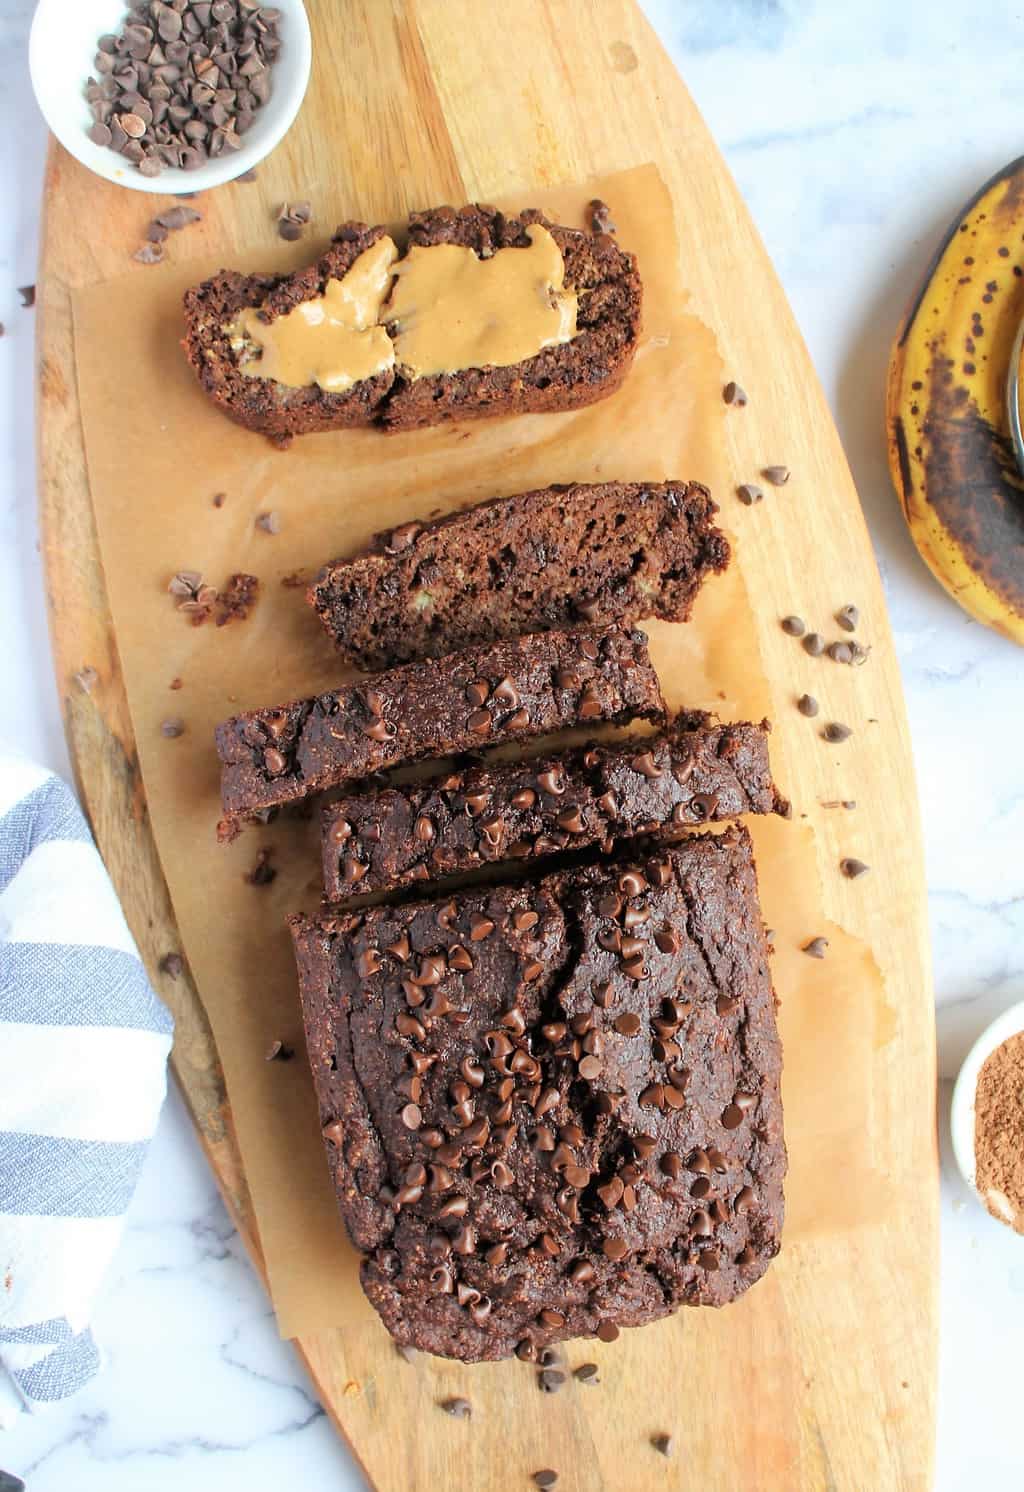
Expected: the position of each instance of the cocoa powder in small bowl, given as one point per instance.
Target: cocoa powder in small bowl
(999, 1132)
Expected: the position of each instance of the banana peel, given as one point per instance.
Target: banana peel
(950, 453)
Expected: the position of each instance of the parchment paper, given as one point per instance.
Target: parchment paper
(157, 455)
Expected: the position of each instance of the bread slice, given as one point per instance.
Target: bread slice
(605, 552)
(698, 771)
(589, 367)
(552, 1109)
(505, 691)
(259, 403)
(580, 372)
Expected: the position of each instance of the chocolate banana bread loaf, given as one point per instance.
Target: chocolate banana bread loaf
(552, 1109)
(696, 771)
(504, 691)
(589, 366)
(277, 409)
(599, 552)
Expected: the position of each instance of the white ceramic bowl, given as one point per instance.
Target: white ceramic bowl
(961, 1118)
(61, 54)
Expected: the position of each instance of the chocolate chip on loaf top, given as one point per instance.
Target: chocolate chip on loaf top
(552, 1109)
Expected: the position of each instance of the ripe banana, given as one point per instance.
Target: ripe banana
(950, 453)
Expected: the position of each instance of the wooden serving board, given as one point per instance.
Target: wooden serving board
(829, 1381)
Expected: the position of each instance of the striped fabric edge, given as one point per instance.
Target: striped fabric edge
(47, 814)
(35, 906)
(47, 1176)
(41, 984)
(20, 776)
(34, 1255)
(61, 1371)
(40, 1098)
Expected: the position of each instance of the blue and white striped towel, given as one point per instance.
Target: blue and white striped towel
(83, 1072)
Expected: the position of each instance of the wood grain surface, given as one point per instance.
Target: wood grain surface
(825, 1376)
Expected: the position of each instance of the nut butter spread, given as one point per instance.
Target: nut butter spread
(334, 340)
(448, 310)
(451, 310)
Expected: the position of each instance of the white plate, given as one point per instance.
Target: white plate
(61, 54)
(961, 1118)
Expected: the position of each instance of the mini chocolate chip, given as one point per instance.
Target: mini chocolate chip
(173, 727)
(379, 730)
(853, 868)
(703, 805)
(814, 644)
(816, 947)
(589, 707)
(777, 475)
(808, 705)
(858, 654)
(457, 1408)
(545, 1478)
(840, 652)
(587, 1372)
(262, 872)
(477, 692)
(732, 1116)
(628, 1024)
(479, 722)
(664, 1444)
(749, 493)
(412, 1116)
(608, 1332)
(28, 296)
(551, 781)
(550, 1380)
(848, 617)
(600, 217)
(646, 765)
(733, 394)
(525, 798)
(269, 523)
(172, 965)
(835, 731)
(615, 1249)
(793, 626)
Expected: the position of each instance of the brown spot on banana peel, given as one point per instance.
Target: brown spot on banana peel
(1008, 209)
(973, 486)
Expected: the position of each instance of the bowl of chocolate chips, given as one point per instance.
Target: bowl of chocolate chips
(169, 95)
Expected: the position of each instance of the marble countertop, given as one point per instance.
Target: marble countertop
(855, 133)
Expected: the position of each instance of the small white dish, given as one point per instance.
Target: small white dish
(61, 56)
(961, 1117)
